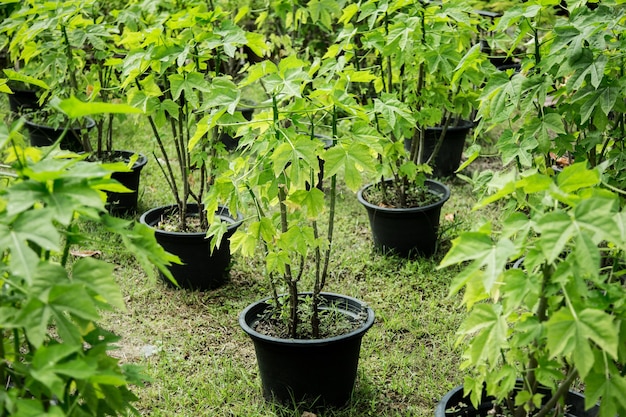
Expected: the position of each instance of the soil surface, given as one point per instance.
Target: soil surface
(390, 196)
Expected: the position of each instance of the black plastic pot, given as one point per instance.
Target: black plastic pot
(120, 203)
(514, 67)
(448, 159)
(455, 404)
(317, 372)
(42, 135)
(23, 100)
(230, 142)
(201, 269)
(406, 231)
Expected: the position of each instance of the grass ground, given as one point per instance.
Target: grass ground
(200, 363)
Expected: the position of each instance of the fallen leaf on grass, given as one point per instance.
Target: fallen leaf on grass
(86, 253)
(449, 217)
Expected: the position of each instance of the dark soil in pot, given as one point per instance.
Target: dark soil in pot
(317, 372)
(201, 269)
(455, 404)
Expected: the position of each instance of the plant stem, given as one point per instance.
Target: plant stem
(417, 144)
(2, 360)
(292, 283)
(70, 60)
(441, 137)
(260, 215)
(66, 247)
(561, 392)
(531, 378)
(170, 177)
(320, 280)
(179, 138)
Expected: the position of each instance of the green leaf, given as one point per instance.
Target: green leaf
(323, 11)
(544, 129)
(22, 258)
(395, 113)
(258, 71)
(311, 200)
(27, 79)
(276, 261)
(297, 239)
(488, 330)
(298, 156)
(598, 216)
(222, 93)
(587, 257)
(139, 240)
(577, 176)
(216, 233)
(73, 299)
(534, 183)
(570, 335)
(246, 241)
(354, 158)
(75, 108)
(608, 390)
(34, 317)
(44, 362)
(587, 65)
(256, 42)
(501, 97)
(480, 247)
(517, 287)
(603, 98)
(97, 277)
(516, 148)
(467, 62)
(348, 13)
(556, 229)
(190, 84)
(233, 37)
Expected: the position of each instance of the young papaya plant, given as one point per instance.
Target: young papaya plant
(63, 46)
(54, 357)
(172, 72)
(564, 103)
(426, 68)
(556, 319)
(277, 175)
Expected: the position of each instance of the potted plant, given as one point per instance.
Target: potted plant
(68, 51)
(307, 341)
(184, 94)
(556, 321)
(55, 352)
(563, 102)
(426, 78)
(46, 43)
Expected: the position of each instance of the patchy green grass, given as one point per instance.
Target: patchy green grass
(199, 362)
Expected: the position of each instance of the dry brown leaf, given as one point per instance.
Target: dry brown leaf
(86, 253)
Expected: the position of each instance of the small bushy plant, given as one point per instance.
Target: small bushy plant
(557, 318)
(54, 357)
